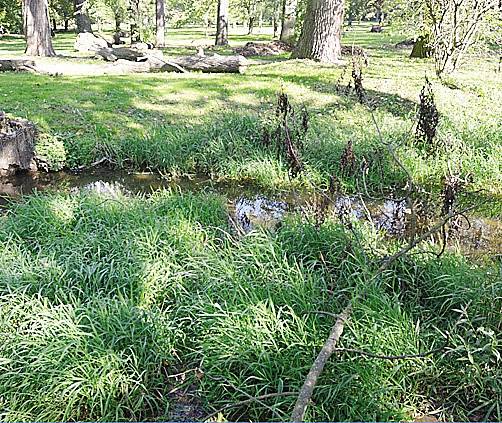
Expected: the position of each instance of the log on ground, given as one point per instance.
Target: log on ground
(206, 64)
(19, 65)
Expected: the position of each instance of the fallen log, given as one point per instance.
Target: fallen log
(124, 53)
(19, 65)
(207, 64)
(216, 63)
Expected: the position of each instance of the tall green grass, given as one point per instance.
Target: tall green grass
(102, 300)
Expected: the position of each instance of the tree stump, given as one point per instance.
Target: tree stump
(17, 145)
(421, 49)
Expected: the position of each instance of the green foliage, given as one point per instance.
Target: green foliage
(10, 15)
(52, 151)
(101, 301)
(61, 10)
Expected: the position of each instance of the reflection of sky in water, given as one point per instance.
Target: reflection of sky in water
(392, 217)
(259, 212)
(348, 208)
(249, 203)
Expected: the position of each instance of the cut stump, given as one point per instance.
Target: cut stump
(17, 145)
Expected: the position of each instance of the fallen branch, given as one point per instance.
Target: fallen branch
(330, 345)
(318, 366)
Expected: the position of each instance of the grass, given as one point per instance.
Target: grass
(207, 123)
(104, 303)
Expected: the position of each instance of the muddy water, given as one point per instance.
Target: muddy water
(251, 207)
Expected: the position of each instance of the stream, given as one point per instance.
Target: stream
(251, 207)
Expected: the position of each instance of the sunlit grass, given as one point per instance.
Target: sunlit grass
(99, 306)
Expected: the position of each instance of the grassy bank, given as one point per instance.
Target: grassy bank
(103, 302)
(202, 123)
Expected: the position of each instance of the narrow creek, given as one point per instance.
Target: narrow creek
(251, 207)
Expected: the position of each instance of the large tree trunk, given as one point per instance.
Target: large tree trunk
(288, 20)
(276, 16)
(321, 33)
(81, 17)
(37, 29)
(161, 22)
(222, 23)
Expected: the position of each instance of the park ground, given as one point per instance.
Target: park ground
(150, 308)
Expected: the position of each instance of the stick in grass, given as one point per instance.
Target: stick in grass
(330, 344)
(318, 366)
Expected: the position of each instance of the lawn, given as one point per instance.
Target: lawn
(152, 308)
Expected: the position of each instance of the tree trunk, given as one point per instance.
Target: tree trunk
(288, 20)
(66, 24)
(134, 16)
(161, 22)
(206, 64)
(54, 25)
(222, 23)
(321, 33)
(81, 18)
(118, 22)
(38, 31)
(251, 24)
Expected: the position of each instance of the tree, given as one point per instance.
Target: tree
(288, 20)
(81, 17)
(61, 11)
(455, 25)
(321, 32)
(135, 20)
(160, 15)
(222, 23)
(37, 29)
(11, 17)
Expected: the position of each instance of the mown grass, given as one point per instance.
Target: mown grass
(103, 300)
(203, 123)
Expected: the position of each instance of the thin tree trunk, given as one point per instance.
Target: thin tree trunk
(321, 33)
(118, 22)
(134, 16)
(276, 16)
(222, 23)
(37, 28)
(161, 22)
(288, 20)
(66, 24)
(81, 18)
(251, 25)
